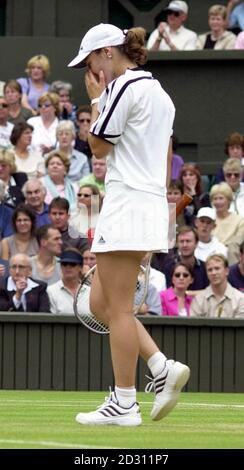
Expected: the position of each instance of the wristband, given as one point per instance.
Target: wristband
(94, 101)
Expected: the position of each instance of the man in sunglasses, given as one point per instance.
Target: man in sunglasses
(173, 36)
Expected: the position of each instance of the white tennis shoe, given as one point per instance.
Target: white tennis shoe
(167, 387)
(110, 412)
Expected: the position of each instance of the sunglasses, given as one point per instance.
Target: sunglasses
(45, 105)
(67, 263)
(3, 105)
(83, 195)
(236, 175)
(175, 13)
(84, 120)
(182, 275)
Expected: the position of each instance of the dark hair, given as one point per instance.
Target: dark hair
(180, 263)
(59, 203)
(234, 139)
(134, 45)
(192, 167)
(83, 108)
(25, 209)
(42, 232)
(18, 130)
(176, 184)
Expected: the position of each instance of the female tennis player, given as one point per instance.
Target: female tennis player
(131, 124)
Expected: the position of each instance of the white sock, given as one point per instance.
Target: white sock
(126, 396)
(156, 363)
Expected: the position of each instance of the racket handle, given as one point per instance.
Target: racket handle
(185, 200)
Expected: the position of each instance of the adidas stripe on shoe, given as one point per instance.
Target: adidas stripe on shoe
(167, 387)
(111, 413)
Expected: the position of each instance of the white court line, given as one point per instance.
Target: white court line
(62, 445)
(81, 403)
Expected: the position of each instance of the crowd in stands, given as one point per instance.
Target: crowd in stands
(52, 188)
(226, 25)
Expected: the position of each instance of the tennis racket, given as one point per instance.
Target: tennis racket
(82, 299)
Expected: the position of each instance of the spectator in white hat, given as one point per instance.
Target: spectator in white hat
(207, 244)
(173, 36)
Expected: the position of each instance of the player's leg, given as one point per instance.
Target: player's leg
(168, 376)
(117, 275)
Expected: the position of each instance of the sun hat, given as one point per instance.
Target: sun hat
(70, 256)
(206, 212)
(178, 5)
(102, 35)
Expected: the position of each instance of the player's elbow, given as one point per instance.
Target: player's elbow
(99, 147)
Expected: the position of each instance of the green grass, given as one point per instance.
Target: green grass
(45, 420)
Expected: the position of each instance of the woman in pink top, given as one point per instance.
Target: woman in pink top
(175, 301)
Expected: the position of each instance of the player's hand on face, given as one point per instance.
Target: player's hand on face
(95, 83)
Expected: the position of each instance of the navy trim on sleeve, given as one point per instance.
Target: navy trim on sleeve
(116, 100)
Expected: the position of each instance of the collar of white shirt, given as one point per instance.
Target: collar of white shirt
(12, 286)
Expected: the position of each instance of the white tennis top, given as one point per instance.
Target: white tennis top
(137, 115)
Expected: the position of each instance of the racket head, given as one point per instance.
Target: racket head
(82, 305)
(82, 300)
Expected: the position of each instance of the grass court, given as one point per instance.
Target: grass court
(45, 420)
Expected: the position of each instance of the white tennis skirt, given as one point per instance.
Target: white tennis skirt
(131, 220)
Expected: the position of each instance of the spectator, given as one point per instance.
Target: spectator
(233, 176)
(35, 193)
(64, 91)
(97, 177)
(33, 87)
(174, 194)
(79, 166)
(173, 36)
(13, 95)
(59, 217)
(45, 266)
(45, 125)
(175, 300)
(83, 122)
(6, 212)
(219, 299)
(192, 184)
(89, 258)
(151, 304)
(27, 159)
(207, 243)
(20, 292)
(23, 240)
(236, 272)
(218, 37)
(13, 180)
(234, 148)
(84, 218)
(235, 9)
(239, 44)
(6, 127)
(187, 239)
(62, 292)
(56, 181)
(177, 160)
(229, 226)
(156, 278)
